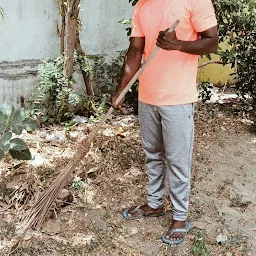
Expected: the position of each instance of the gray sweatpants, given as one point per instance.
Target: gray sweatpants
(167, 134)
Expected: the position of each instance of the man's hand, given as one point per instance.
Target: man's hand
(207, 43)
(168, 41)
(113, 99)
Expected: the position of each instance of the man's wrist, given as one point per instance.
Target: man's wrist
(180, 45)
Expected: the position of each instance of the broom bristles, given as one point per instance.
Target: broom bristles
(39, 210)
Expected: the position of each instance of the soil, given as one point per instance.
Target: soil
(223, 195)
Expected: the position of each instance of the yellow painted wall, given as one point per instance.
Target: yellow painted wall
(215, 73)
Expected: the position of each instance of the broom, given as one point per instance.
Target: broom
(39, 210)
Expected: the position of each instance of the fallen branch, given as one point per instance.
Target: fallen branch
(212, 62)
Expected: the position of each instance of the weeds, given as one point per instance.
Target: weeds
(199, 245)
(237, 201)
(77, 184)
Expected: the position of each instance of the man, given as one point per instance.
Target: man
(167, 91)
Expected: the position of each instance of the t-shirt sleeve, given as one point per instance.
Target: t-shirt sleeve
(203, 15)
(136, 25)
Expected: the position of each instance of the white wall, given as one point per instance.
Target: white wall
(28, 33)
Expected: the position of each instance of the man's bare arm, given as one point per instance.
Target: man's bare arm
(130, 67)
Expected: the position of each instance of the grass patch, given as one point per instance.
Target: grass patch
(237, 201)
(199, 247)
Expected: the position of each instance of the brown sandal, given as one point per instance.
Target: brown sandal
(142, 214)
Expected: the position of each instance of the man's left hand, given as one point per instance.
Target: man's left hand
(168, 41)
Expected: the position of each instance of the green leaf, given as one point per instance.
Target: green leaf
(5, 145)
(17, 129)
(6, 136)
(7, 109)
(21, 155)
(29, 124)
(3, 120)
(1, 154)
(208, 56)
(2, 13)
(18, 116)
(18, 144)
(125, 22)
(5, 141)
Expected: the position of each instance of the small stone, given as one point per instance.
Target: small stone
(51, 227)
(14, 185)
(81, 119)
(133, 230)
(65, 197)
(108, 132)
(223, 128)
(38, 161)
(122, 124)
(55, 137)
(199, 225)
(81, 239)
(135, 171)
(221, 239)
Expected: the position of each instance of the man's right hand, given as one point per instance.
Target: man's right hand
(113, 99)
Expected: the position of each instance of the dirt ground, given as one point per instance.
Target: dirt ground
(223, 195)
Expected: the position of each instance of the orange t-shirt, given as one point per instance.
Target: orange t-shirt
(170, 78)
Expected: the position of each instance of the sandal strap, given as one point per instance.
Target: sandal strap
(141, 212)
(137, 209)
(179, 230)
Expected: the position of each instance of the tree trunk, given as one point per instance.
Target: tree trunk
(86, 77)
(72, 15)
(63, 27)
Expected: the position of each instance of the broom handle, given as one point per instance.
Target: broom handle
(130, 84)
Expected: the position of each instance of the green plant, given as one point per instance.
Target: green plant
(2, 13)
(56, 101)
(14, 122)
(199, 246)
(77, 184)
(205, 91)
(127, 22)
(237, 27)
(98, 111)
(106, 76)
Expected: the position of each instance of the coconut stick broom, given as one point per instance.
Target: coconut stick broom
(37, 213)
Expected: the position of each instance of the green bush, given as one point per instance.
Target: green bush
(55, 101)
(14, 122)
(107, 75)
(237, 26)
(205, 91)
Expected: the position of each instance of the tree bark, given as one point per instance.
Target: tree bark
(86, 77)
(72, 15)
(63, 27)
